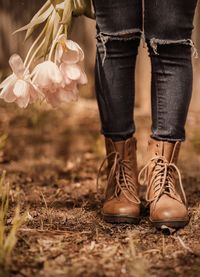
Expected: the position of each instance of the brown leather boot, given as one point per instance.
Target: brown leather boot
(168, 205)
(121, 204)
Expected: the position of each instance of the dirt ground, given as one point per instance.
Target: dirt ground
(52, 158)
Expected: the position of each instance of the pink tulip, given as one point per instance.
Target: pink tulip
(18, 86)
(47, 77)
(68, 51)
(66, 94)
(55, 81)
(70, 71)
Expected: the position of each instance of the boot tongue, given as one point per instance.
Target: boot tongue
(170, 151)
(164, 148)
(119, 147)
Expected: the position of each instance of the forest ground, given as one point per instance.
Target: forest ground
(51, 158)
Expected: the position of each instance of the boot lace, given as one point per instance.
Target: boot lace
(162, 180)
(123, 181)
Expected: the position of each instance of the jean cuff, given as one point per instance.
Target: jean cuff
(167, 139)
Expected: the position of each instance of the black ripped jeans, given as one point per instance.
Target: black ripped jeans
(166, 28)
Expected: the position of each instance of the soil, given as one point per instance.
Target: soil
(52, 158)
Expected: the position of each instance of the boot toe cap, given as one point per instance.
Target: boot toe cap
(115, 207)
(164, 212)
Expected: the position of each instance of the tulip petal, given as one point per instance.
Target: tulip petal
(58, 53)
(22, 102)
(83, 79)
(47, 75)
(73, 46)
(17, 65)
(68, 51)
(41, 79)
(8, 96)
(10, 79)
(69, 93)
(21, 88)
(73, 71)
(67, 96)
(71, 86)
(65, 77)
(34, 93)
(7, 92)
(53, 99)
(55, 74)
(71, 57)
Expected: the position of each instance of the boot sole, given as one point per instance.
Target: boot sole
(170, 223)
(120, 219)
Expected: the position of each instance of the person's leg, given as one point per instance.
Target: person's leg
(119, 26)
(168, 26)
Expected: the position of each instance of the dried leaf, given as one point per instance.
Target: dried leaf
(67, 13)
(36, 20)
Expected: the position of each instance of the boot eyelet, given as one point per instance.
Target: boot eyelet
(157, 145)
(156, 153)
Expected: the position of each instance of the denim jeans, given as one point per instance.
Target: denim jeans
(166, 28)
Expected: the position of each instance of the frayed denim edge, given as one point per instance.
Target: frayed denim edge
(155, 41)
(104, 37)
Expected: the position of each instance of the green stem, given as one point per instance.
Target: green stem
(33, 45)
(34, 54)
(65, 27)
(54, 42)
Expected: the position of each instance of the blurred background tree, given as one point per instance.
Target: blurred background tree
(14, 14)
